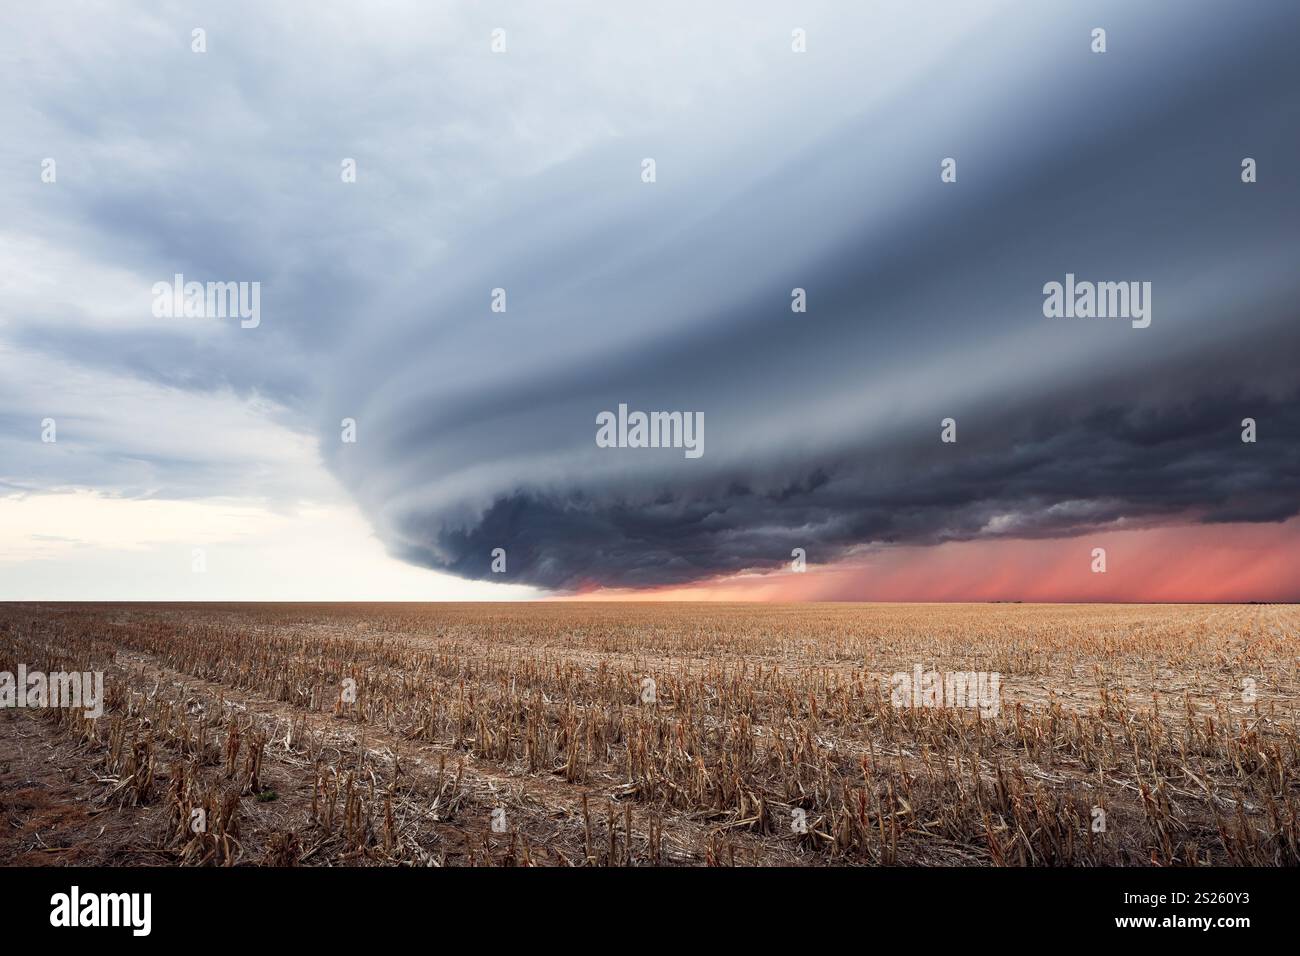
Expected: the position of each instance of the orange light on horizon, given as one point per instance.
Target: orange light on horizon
(1222, 563)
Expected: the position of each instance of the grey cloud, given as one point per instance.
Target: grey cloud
(823, 429)
(476, 429)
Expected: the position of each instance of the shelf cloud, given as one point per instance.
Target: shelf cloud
(888, 276)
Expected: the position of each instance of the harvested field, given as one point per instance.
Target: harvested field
(655, 734)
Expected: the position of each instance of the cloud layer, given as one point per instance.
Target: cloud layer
(774, 171)
(925, 302)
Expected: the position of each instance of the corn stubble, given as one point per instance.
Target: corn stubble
(388, 734)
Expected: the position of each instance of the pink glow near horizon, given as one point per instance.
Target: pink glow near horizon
(1186, 563)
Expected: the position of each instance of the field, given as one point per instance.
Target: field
(655, 734)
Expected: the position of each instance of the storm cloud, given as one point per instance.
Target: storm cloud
(924, 303)
(775, 171)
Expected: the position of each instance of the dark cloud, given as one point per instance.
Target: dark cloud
(925, 302)
(1047, 474)
(476, 429)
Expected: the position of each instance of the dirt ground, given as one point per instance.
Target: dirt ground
(523, 735)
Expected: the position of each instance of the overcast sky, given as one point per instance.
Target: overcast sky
(195, 443)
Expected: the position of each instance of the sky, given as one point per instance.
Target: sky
(462, 260)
